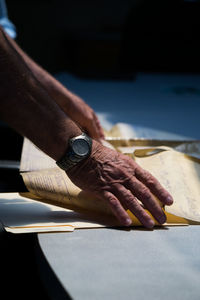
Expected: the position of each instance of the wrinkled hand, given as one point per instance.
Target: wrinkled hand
(116, 178)
(84, 116)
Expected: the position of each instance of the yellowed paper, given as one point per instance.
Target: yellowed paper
(22, 214)
(54, 186)
(51, 185)
(180, 175)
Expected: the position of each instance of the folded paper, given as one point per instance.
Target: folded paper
(174, 163)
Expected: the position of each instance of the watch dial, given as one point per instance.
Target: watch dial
(81, 147)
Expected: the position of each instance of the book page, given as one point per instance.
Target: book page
(51, 185)
(180, 175)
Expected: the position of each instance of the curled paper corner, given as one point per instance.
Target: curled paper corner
(146, 152)
(172, 220)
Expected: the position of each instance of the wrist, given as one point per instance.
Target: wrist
(96, 153)
(61, 133)
(78, 150)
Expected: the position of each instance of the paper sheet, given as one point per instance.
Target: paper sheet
(180, 175)
(51, 185)
(20, 214)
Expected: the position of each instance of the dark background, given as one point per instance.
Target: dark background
(109, 38)
(105, 39)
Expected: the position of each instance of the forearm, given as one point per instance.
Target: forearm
(55, 89)
(72, 105)
(27, 107)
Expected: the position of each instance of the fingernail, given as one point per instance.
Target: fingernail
(151, 224)
(162, 219)
(128, 222)
(169, 200)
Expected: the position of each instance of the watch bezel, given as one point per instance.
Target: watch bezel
(71, 158)
(73, 144)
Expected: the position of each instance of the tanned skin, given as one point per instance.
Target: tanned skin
(40, 108)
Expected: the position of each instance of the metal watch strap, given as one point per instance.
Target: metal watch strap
(70, 159)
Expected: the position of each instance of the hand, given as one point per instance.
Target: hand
(116, 178)
(83, 115)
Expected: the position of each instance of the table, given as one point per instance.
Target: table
(138, 263)
(126, 264)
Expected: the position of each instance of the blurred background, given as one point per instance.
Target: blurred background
(109, 38)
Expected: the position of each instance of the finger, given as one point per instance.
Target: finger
(93, 131)
(117, 209)
(133, 205)
(139, 190)
(100, 129)
(153, 184)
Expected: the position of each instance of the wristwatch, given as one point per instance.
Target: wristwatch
(78, 149)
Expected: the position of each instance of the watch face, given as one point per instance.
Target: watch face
(81, 147)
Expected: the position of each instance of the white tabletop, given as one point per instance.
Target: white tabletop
(119, 264)
(122, 264)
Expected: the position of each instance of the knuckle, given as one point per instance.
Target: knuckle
(150, 182)
(129, 200)
(113, 202)
(147, 175)
(145, 191)
(90, 118)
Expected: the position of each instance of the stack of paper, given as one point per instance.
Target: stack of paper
(174, 163)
